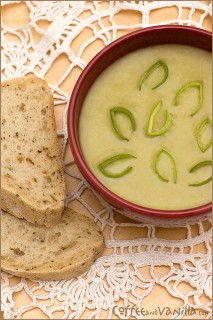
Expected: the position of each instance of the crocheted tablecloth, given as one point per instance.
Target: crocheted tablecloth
(151, 268)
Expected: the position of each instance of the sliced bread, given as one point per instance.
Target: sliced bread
(63, 251)
(33, 185)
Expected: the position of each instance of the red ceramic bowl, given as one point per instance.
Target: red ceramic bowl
(128, 43)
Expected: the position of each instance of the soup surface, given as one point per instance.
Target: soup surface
(151, 111)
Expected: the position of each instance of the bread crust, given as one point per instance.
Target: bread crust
(22, 207)
(16, 201)
(63, 274)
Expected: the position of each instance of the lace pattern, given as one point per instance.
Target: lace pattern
(117, 278)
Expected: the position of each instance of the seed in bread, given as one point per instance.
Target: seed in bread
(32, 176)
(63, 251)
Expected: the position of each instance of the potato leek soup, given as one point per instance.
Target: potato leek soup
(145, 127)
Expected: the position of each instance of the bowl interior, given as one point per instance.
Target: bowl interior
(124, 45)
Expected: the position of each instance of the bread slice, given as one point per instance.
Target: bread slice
(32, 176)
(63, 251)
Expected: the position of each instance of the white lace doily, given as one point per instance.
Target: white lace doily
(117, 278)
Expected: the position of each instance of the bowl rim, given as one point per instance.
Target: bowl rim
(76, 151)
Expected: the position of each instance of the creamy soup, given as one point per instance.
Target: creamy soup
(145, 127)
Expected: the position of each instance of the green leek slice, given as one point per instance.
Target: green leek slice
(192, 84)
(147, 73)
(102, 166)
(158, 157)
(196, 167)
(166, 126)
(128, 113)
(202, 147)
